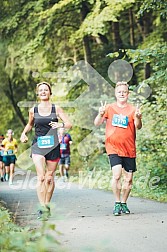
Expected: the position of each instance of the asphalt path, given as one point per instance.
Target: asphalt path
(84, 217)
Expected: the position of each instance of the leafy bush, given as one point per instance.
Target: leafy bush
(151, 148)
(16, 239)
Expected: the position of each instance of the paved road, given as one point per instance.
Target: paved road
(84, 216)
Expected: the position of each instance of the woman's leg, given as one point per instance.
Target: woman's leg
(7, 170)
(49, 179)
(39, 162)
(1, 171)
(12, 166)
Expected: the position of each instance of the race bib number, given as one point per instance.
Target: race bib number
(63, 146)
(10, 152)
(120, 121)
(45, 141)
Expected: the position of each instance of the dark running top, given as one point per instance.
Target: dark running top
(46, 141)
(41, 123)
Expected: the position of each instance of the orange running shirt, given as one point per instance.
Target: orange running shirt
(120, 130)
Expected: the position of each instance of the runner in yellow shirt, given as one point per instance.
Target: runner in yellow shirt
(1, 158)
(9, 145)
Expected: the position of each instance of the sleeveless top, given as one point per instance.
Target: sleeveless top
(42, 127)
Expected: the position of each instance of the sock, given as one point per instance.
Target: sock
(7, 177)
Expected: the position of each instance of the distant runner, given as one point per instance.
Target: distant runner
(2, 172)
(10, 148)
(65, 141)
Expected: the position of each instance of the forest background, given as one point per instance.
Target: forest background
(43, 40)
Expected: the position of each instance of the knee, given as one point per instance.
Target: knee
(49, 177)
(41, 178)
(128, 182)
(116, 177)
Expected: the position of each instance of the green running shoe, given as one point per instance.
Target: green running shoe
(39, 214)
(117, 208)
(124, 208)
(48, 211)
(43, 214)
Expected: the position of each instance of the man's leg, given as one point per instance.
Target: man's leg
(126, 188)
(116, 187)
(61, 170)
(127, 185)
(66, 171)
(67, 166)
(116, 184)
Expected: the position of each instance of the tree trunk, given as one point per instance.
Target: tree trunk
(101, 39)
(144, 25)
(117, 41)
(147, 24)
(147, 28)
(17, 110)
(87, 50)
(147, 71)
(131, 23)
(86, 42)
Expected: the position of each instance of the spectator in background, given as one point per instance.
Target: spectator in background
(65, 141)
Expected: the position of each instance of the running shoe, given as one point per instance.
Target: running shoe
(7, 177)
(124, 208)
(117, 208)
(48, 211)
(43, 214)
(10, 182)
(39, 212)
(67, 175)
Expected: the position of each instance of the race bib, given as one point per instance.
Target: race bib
(1, 153)
(10, 152)
(45, 141)
(63, 146)
(120, 121)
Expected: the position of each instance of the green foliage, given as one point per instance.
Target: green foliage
(103, 12)
(17, 239)
(154, 5)
(152, 152)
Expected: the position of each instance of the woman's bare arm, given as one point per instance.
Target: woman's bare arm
(28, 127)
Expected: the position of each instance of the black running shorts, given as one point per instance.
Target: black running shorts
(129, 164)
(49, 153)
